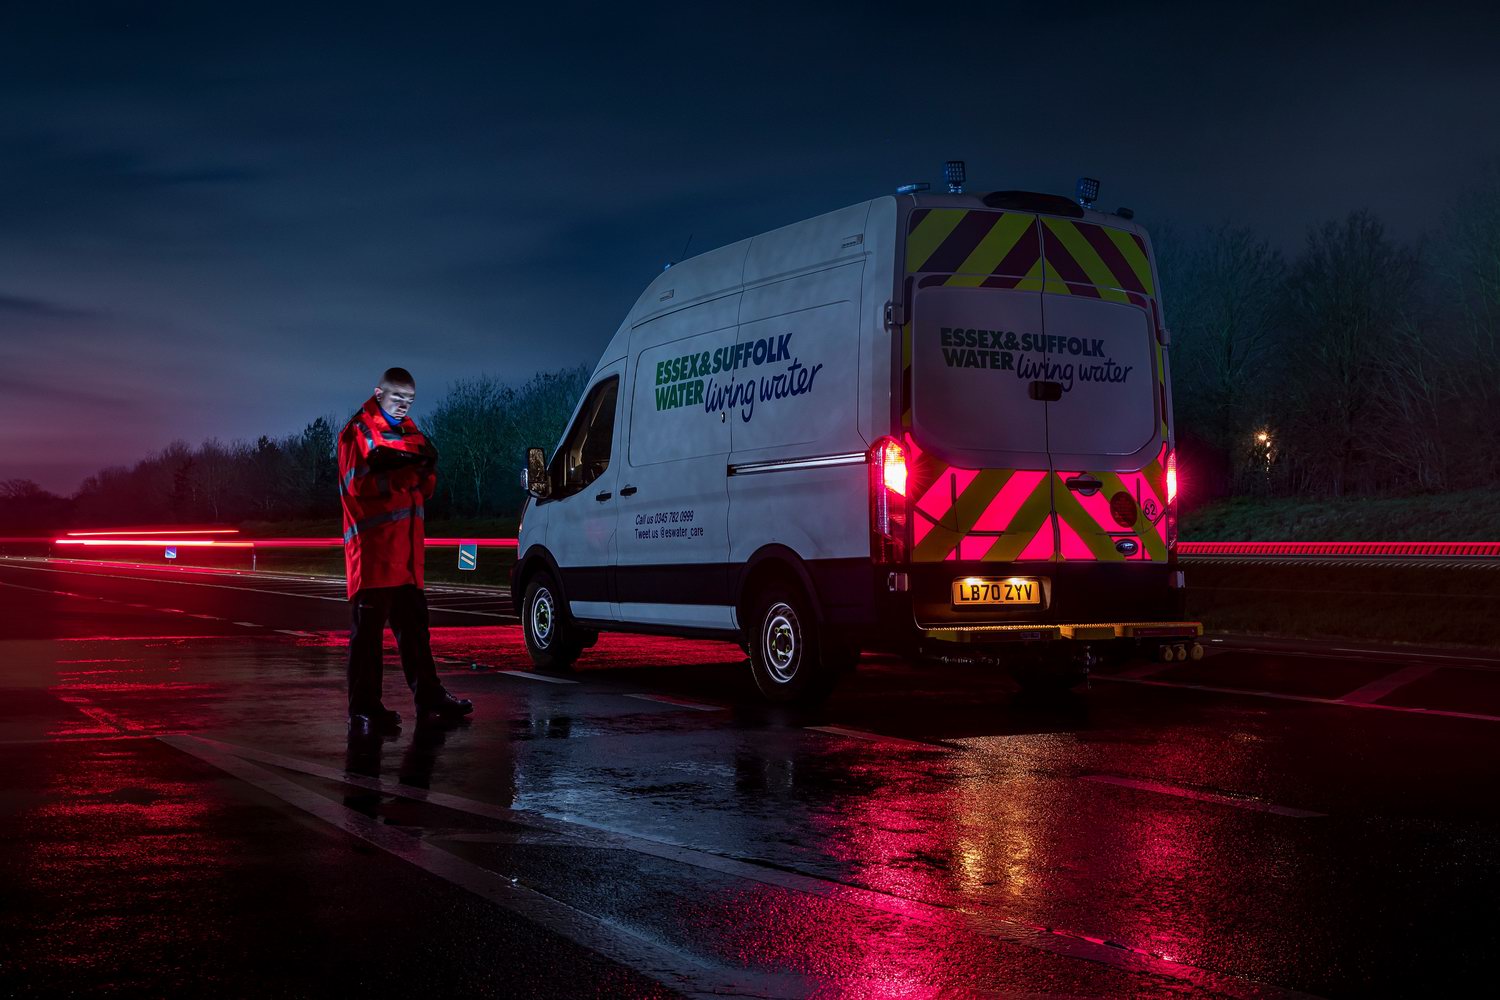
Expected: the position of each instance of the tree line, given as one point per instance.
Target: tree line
(1363, 365)
(481, 427)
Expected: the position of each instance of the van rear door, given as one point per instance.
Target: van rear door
(1033, 373)
(980, 481)
(1106, 430)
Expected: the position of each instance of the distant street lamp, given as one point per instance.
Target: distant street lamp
(1263, 438)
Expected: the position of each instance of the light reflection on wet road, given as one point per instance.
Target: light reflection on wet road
(1136, 841)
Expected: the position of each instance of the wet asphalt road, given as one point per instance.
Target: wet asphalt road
(183, 814)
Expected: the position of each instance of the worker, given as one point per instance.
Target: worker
(387, 473)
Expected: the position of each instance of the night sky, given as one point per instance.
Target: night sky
(226, 223)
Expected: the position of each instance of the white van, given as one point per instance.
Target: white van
(938, 424)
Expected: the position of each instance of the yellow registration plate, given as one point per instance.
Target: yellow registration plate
(985, 590)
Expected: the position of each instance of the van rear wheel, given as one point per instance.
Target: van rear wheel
(786, 654)
(552, 639)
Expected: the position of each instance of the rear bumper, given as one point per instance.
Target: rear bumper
(1076, 631)
(898, 606)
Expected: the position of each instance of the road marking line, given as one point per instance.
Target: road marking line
(1377, 689)
(859, 734)
(658, 961)
(531, 675)
(249, 624)
(1188, 793)
(297, 633)
(1068, 944)
(482, 614)
(48, 590)
(1311, 699)
(98, 714)
(667, 699)
(84, 738)
(1367, 652)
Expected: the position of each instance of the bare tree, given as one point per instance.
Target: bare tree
(1230, 287)
(470, 428)
(1470, 266)
(1347, 295)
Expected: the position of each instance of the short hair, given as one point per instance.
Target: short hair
(398, 376)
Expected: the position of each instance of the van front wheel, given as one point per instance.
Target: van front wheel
(552, 639)
(786, 656)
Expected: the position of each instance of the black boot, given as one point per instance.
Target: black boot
(374, 721)
(444, 704)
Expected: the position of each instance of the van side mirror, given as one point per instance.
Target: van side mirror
(535, 477)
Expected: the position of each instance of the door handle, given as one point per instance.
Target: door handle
(1085, 484)
(601, 497)
(627, 491)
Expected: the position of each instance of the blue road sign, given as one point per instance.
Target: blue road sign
(171, 552)
(468, 555)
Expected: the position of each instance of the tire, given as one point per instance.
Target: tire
(786, 652)
(552, 639)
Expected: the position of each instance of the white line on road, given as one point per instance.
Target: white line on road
(1046, 939)
(1311, 699)
(1188, 793)
(509, 616)
(860, 734)
(1377, 689)
(249, 624)
(660, 962)
(531, 675)
(1318, 651)
(296, 632)
(666, 699)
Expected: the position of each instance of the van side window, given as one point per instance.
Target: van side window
(585, 453)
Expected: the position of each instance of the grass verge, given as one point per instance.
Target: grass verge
(1468, 516)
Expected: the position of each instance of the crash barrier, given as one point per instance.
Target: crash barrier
(1420, 550)
(199, 546)
(229, 538)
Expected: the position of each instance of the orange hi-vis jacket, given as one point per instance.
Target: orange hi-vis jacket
(384, 501)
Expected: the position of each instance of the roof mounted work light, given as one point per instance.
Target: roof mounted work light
(1087, 191)
(953, 176)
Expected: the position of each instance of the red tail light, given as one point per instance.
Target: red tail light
(887, 501)
(1171, 499)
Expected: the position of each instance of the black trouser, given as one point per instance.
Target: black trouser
(406, 609)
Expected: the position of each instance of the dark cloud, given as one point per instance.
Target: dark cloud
(21, 305)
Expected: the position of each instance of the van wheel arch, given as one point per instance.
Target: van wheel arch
(774, 564)
(536, 560)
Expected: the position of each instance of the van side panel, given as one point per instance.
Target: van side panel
(804, 295)
(672, 504)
